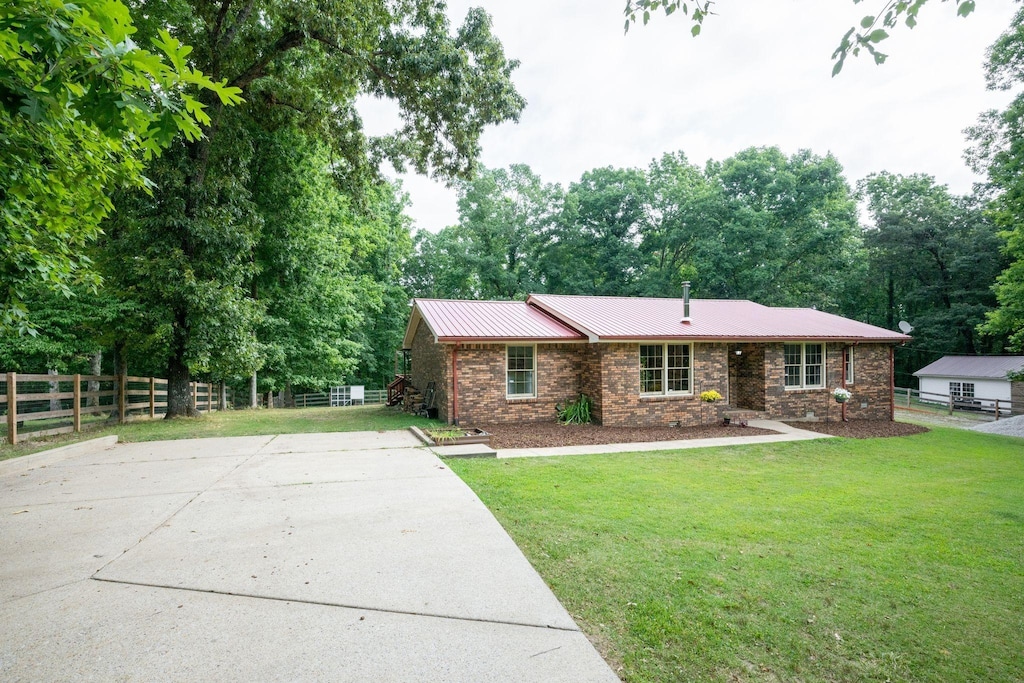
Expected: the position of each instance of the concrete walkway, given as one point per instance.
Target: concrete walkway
(322, 557)
(786, 433)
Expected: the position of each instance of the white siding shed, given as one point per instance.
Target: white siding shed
(980, 380)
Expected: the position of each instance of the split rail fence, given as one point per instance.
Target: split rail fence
(983, 408)
(323, 399)
(43, 405)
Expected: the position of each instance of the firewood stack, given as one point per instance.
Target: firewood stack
(413, 399)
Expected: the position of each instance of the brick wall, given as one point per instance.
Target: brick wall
(430, 363)
(871, 396)
(622, 405)
(482, 399)
(590, 380)
(1017, 397)
(871, 377)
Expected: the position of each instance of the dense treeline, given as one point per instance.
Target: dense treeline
(776, 229)
(267, 242)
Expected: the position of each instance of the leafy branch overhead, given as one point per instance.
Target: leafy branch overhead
(81, 107)
(867, 35)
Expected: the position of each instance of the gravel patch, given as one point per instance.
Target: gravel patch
(861, 429)
(1011, 426)
(547, 434)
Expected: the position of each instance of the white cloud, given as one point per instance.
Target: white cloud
(758, 75)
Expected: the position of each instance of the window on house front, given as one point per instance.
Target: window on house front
(665, 368)
(804, 366)
(848, 363)
(520, 372)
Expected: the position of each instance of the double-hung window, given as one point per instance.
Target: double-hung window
(804, 366)
(665, 368)
(520, 372)
(848, 364)
(961, 389)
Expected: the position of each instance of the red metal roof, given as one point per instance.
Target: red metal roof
(551, 317)
(611, 318)
(451, 320)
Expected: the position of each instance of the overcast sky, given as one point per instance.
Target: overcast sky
(758, 75)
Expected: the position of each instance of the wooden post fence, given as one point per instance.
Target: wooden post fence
(76, 420)
(122, 398)
(12, 408)
(56, 411)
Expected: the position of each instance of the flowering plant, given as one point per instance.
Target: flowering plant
(841, 395)
(710, 396)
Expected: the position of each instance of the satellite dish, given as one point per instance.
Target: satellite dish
(905, 327)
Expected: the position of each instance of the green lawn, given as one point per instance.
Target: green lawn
(837, 560)
(238, 423)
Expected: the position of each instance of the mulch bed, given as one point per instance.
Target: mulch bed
(547, 434)
(861, 429)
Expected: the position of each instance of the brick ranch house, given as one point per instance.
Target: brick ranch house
(644, 361)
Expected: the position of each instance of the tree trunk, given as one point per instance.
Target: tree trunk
(223, 397)
(179, 390)
(254, 400)
(95, 368)
(287, 397)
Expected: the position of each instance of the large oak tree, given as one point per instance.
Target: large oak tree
(187, 250)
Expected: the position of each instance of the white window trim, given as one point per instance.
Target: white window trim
(664, 370)
(803, 366)
(519, 396)
(849, 368)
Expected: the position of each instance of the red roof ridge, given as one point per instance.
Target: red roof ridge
(646, 298)
(473, 301)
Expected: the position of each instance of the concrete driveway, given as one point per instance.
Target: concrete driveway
(324, 557)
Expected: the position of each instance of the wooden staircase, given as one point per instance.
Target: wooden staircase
(396, 389)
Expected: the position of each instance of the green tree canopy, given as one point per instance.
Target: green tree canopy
(999, 154)
(204, 231)
(934, 256)
(81, 107)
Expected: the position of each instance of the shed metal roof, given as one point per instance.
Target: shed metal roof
(986, 367)
(622, 318)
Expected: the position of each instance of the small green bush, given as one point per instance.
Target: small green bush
(575, 412)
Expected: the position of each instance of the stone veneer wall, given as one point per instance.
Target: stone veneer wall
(481, 374)
(623, 406)
(871, 399)
(1017, 398)
(430, 363)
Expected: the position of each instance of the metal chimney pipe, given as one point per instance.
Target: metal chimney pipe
(686, 302)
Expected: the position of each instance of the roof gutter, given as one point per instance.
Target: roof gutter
(455, 385)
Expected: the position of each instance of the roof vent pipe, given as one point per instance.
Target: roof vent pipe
(686, 302)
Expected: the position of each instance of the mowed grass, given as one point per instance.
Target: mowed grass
(238, 423)
(835, 560)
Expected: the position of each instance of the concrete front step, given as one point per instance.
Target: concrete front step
(740, 415)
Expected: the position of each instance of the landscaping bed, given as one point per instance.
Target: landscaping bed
(861, 429)
(547, 434)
